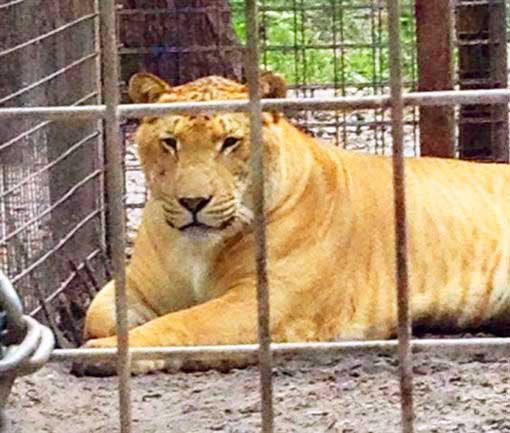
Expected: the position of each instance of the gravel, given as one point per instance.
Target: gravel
(352, 394)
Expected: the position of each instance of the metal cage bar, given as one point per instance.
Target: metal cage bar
(397, 132)
(316, 349)
(115, 205)
(41, 125)
(257, 164)
(439, 98)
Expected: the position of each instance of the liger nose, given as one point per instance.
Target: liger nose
(194, 204)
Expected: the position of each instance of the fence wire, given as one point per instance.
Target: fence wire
(339, 48)
(39, 232)
(51, 192)
(259, 220)
(115, 194)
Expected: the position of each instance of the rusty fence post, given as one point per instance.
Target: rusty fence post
(434, 28)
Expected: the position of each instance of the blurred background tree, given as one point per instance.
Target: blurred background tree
(179, 40)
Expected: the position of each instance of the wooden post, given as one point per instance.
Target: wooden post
(75, 84)
(435, 72)
(481, 35)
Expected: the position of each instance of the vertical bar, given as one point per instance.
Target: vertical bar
(434, 42)
(376, 81)
(297, 81)
(257, 163)
(100, 122)
(335, 69)
(303, 43)
(414, 85)
(114, 185)
(343, 78)
(382, 84)
(404, 319)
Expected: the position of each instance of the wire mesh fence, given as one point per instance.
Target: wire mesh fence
(54, 214)
(51, 193)
(325, 48)
(339, 48)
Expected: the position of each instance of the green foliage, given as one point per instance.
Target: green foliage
(329, 41)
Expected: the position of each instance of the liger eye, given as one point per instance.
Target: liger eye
(229, 143)
(169, 144)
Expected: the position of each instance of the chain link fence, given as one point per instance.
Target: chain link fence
(52, 231)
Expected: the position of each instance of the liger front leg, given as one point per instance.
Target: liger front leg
(100, 324)
(229, 319)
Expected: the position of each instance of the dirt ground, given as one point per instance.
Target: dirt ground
(348, 394)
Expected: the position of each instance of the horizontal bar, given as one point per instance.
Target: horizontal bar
(448, 97)
(139, 110)
(41, 125)
(346, 84)
(332, 123)
(239, 351)
(474, 3)
(206, 49)
(167, 11)
(48, 78)
(474, 42)
(349, 103)
(322, 7)
(130, 206)
(341, 45)
(86, 112)
(177, 50)
(46, 35)
(310, 87)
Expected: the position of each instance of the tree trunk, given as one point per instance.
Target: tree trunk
(178, 40)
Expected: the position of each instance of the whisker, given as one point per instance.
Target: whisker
(219, 211)
(225, 200)
(244, 214)
(168, 209)
(224, 217)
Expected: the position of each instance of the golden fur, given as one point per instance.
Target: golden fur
(330, 229)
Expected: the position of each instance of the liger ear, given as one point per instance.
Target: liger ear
(272, 85)
(145, 87)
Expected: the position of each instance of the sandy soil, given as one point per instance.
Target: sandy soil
(354, 394)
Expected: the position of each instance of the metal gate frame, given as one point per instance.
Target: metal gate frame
(111, 112)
